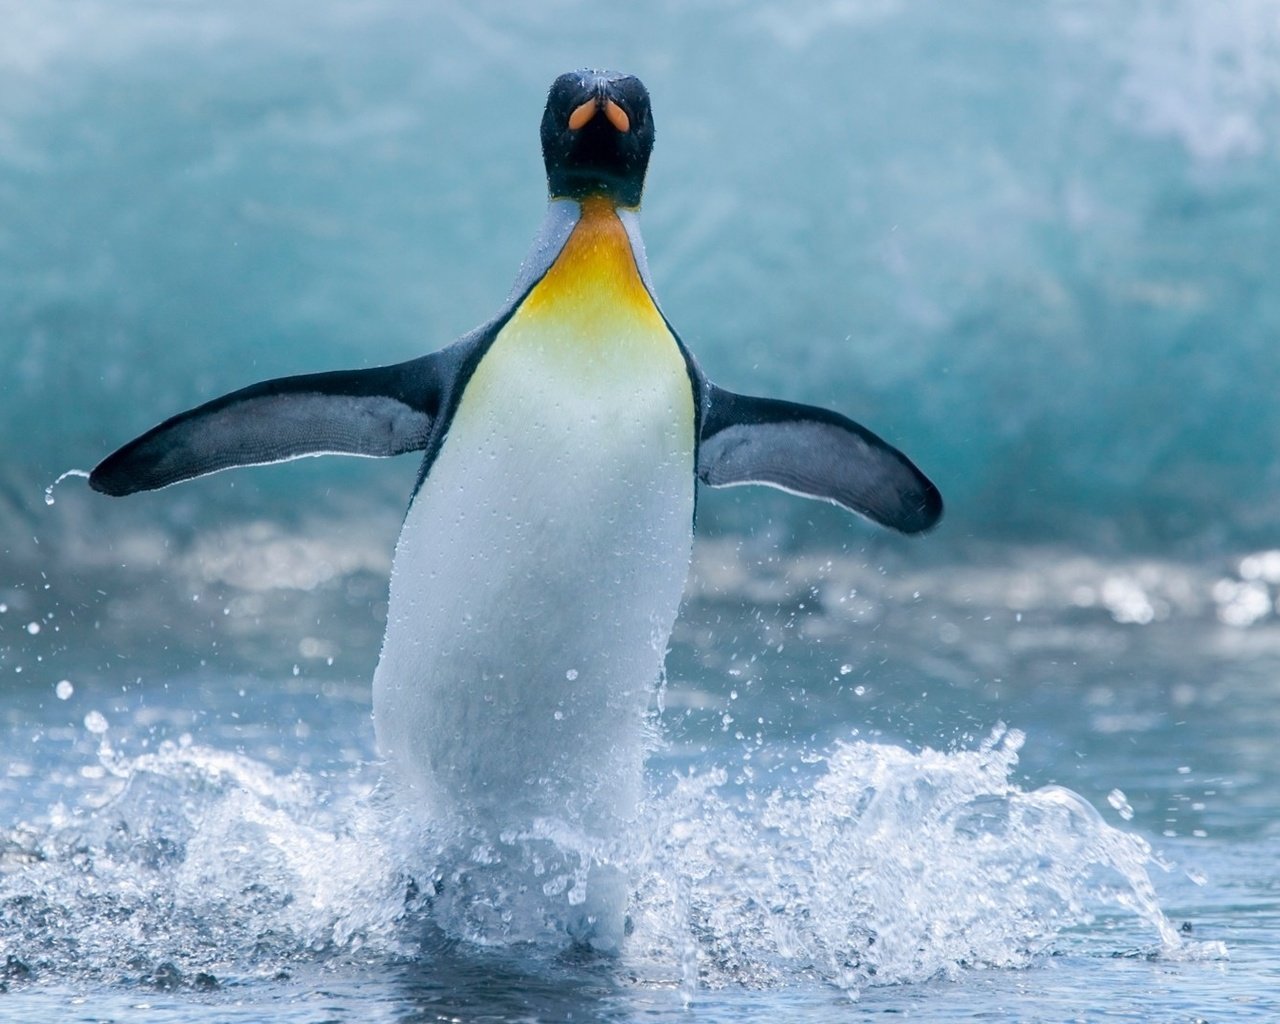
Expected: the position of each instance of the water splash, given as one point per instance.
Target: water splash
(875, 866)
(891, 867)
(203, 861)
(48, 491)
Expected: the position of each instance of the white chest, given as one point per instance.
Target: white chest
(538, 576)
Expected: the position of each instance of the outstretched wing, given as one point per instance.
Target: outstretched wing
(815, 453)
(378, 412)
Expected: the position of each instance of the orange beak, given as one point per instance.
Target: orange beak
(586, 111)
(581, 115)
(617, 116)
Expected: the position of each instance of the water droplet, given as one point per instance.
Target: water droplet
(48, 491)
(95, 722)
(571, 675)
(1120, 802)
(64, 689)
(33, 628)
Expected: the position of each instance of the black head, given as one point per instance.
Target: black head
(597, 134)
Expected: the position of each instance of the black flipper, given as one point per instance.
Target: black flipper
(387, 410)
(815, 453)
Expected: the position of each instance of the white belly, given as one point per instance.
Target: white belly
(535, 585)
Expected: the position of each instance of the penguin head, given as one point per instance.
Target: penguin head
(597, 134)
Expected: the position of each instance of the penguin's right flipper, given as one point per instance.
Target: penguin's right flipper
(815, 453)
(387, 410)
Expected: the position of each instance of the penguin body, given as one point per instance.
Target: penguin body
(543, 555)
(555, 522)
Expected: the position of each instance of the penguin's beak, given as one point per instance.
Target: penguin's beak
(583, 114)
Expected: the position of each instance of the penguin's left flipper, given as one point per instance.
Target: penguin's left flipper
(387, 410)
(815, 453)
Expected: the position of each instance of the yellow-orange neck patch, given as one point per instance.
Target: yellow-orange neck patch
(594, 282)
(587, 356)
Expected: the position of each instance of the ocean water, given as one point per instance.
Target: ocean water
(1021, 769)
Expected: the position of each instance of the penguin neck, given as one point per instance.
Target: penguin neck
(596, 276)
(597, 218)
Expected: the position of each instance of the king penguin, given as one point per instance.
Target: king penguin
(546, 545)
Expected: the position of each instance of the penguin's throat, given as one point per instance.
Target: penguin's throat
(594, 284)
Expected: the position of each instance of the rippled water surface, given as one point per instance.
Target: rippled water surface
(1031, 784)
(1022, 769)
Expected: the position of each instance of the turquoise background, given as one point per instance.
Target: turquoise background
(1034, 245)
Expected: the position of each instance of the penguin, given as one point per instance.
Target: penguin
(545, 549)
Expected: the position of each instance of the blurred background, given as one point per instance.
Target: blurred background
(1034, 245)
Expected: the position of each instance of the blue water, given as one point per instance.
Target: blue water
(1021, 769)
